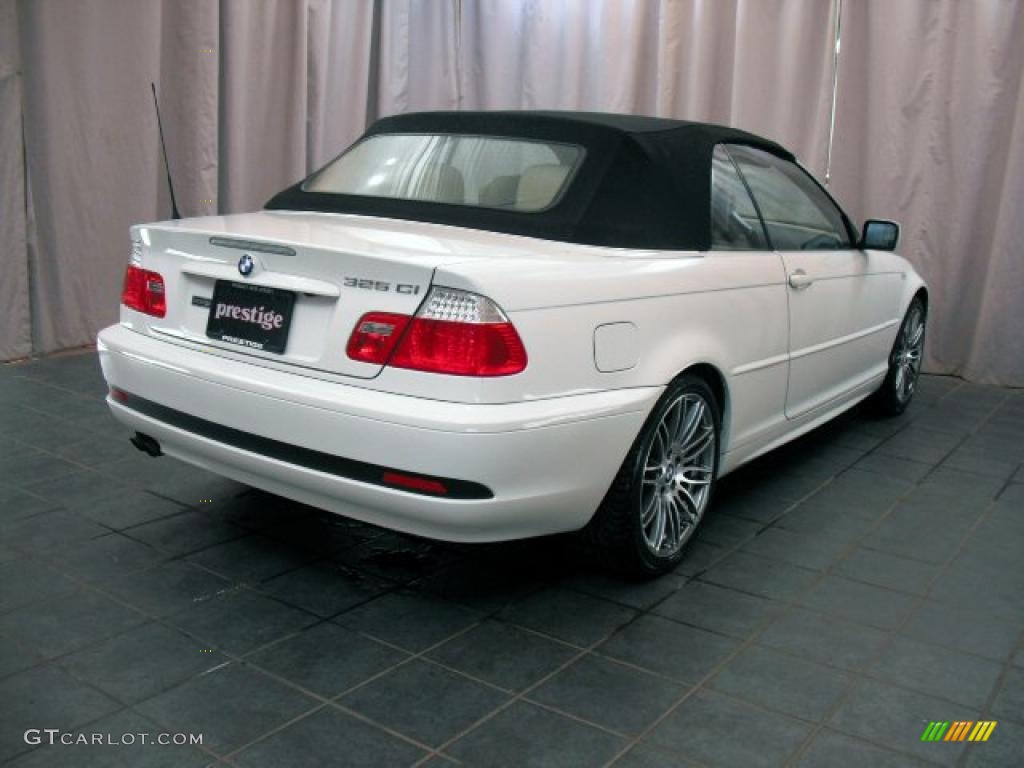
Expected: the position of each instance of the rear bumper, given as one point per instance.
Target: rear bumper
(547, 463)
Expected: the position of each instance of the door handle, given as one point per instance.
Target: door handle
(799, 280)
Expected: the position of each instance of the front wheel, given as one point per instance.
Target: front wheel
(894, 395)
(664, 487)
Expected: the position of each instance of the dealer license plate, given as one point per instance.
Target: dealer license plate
(252, 316)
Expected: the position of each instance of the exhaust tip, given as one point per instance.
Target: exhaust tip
(146, 444)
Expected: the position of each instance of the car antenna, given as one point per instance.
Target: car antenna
(167, 167)
(836, 37)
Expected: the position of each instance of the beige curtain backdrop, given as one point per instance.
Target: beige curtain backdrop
(294, 86)
(91, 143)
(15, 311)
(256, 93)
(930, 131)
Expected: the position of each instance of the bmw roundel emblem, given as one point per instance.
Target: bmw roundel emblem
(246, 264)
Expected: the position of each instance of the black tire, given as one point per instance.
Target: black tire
(615, 537)
(896, 392)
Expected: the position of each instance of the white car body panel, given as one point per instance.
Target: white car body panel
(547, 441)
(518, 450)
(842, 324)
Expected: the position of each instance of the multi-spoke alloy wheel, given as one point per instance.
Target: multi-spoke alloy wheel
(664, 486)
(677, 475)
(906, 356)
(904, 362)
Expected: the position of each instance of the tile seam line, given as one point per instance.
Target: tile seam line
(790, 604)
(859, 675)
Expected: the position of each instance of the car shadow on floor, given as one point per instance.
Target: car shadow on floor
(747, 500)
(253, 526)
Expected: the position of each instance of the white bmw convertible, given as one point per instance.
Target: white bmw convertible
(480, 326)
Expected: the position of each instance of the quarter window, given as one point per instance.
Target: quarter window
(735, 225)
(797, 212)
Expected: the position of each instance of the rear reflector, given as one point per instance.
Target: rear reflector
(144, 291)
(375, 336)
(119, 394)
(415, 483)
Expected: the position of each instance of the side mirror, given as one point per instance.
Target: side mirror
(880, 235)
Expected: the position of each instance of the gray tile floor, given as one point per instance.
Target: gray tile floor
(844, 592)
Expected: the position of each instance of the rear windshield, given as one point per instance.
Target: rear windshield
(484, 171)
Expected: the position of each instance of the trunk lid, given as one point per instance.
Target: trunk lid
(312, 277)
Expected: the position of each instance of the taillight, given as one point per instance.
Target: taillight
(454, 332)
(144, 291)
(375, 336)
(461, 349)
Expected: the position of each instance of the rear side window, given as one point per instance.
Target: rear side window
(735, 225)
(514, 174)
(797, 213)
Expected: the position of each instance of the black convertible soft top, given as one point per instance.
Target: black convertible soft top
(645, 182)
